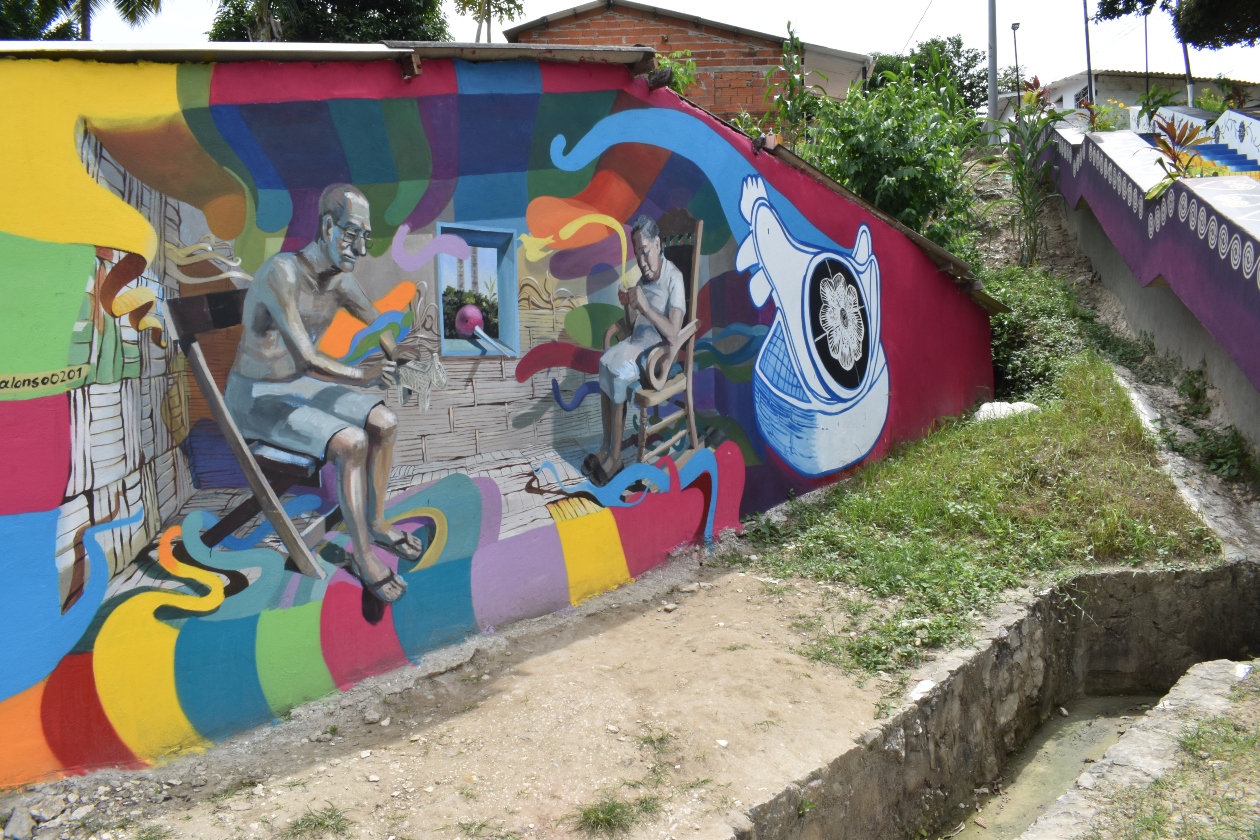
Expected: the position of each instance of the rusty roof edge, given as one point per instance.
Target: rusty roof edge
(222, 52)
(510, 51)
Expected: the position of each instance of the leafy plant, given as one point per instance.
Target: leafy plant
(902, 147)
(1175, 144)
(793, 99)
(1194, 388)
(1034, 96)
(1103, 117)
(1236, 96)
(684, 67)
(747, 123)
(1209, 100)
(1151, 101)
(1023, 161)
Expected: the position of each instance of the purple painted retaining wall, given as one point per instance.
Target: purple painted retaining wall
(1202, 237)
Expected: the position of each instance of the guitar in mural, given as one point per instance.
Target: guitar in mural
(820, 383)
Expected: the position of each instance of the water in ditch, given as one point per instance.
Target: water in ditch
(1052, 760)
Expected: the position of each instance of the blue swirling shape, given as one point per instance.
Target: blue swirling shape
(583, 391)
(701, 462)
(691, 138)
(294, 507)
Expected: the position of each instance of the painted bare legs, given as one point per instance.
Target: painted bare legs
(362, 458)
(614, 416)
(382, 430)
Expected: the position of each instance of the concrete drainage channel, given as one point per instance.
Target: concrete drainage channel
(1106, 633)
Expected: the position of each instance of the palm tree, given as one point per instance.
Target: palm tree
(135, 12)
(37, 20)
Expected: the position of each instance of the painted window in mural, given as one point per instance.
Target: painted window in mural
(479, 312)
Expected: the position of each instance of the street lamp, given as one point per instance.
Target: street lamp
(1019, 87)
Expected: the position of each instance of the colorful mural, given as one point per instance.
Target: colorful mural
(455, 254)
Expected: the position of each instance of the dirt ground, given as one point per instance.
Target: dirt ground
(682, 688)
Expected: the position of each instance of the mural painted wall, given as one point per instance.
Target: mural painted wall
(497, 238)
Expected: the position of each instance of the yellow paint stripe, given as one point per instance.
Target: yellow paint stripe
(44, 102)
(592, 555)
(134, 664)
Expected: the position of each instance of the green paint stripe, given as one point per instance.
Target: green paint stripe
(291, 665)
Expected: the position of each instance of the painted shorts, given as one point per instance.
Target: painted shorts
(622, 367)
(300, 415)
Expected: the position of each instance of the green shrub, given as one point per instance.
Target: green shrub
(902, 147)
(1041, 335)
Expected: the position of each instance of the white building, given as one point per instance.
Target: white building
(1122, 86)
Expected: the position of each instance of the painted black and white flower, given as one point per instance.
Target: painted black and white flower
(841, 319)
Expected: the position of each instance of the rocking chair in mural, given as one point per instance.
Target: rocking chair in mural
(681, 235)
(269, 470)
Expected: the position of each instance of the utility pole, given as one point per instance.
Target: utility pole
(1146, 47)
(1089, 67)
(993, 67)
(1185, 54)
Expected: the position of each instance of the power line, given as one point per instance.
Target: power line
(916, 26)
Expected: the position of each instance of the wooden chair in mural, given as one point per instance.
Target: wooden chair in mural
(269, 470)
(681, 235)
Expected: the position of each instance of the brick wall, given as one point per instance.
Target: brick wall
(730, 66)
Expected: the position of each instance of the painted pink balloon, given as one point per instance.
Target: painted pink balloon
(468, 319)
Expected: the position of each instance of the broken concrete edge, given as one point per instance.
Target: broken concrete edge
(1145, 753)
(1109, 632)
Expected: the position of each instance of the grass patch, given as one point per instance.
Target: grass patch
(1211, 794)
(154, 832)
(331, 820)
(942, 526)
(936, 531)
(611, 815)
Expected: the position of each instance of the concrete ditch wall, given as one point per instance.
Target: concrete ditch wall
(1105, 633)
(1175, 330)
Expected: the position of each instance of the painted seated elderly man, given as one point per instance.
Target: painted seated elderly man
(655, 308)
(284, 391)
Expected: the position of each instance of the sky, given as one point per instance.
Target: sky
(1051, 34)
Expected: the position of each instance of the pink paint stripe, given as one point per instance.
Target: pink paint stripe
(581, 77)
(252, 82)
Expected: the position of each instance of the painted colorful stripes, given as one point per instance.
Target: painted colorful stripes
(167, 675)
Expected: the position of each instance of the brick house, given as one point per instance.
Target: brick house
(731, 62)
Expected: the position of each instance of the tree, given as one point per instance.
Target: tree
(329, 21)
(1203, 24)
(37, 20)
(967, 67)
(1011, 78)
(484, 10)
(134, 12)
(1212, 24)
